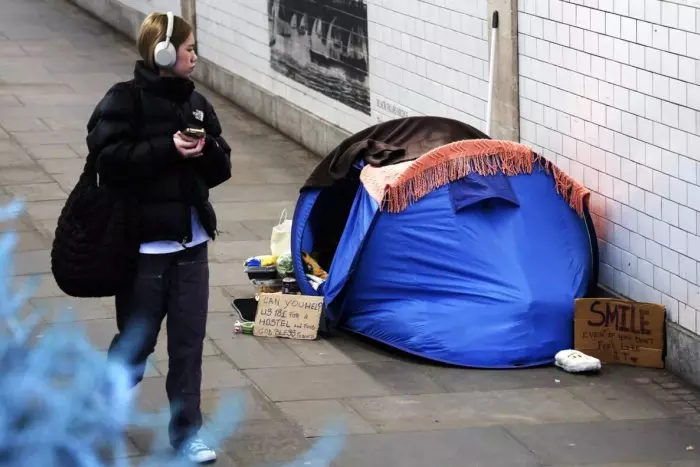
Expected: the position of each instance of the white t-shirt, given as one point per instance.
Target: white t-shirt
(162, 247)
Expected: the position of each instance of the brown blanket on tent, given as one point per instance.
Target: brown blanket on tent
(389, 143)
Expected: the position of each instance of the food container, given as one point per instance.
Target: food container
(267, 286)
(261, 273)
(290, 286)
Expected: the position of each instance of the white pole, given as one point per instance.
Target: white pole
(492, 71)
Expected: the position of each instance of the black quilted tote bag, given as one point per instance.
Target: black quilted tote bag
(96, 244)
(95, 247)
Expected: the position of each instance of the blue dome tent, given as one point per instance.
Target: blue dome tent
(461, 249)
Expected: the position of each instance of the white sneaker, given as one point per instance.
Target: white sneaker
(198, 451)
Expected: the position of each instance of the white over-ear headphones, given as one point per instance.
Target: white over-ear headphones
(165, 54)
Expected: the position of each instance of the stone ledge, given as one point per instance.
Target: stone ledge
(319, 136)
(114, 13)
(683, 353)
(682, 347)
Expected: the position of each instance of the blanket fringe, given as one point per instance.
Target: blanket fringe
(456, 160)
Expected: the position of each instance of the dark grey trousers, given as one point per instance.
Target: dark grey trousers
(177, 286)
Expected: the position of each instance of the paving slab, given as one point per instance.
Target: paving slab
(57, 124)
(7, 101)
(13, 158)
(49, 151)
(240, 291)
(245, 192)
(66, 182)
(610, 441)
(218, 373)
(399, 410)
(255, 211)
(313, 416)
(61, 309)
(7, 146)
(619, 402)
(402, 377)
(43, 285)
(53, 137)
(229, 273)
(461, 380)
(633, 464)
(261, 228)
(227, 251)
(471, 409)
(33, 262)
(266, 442)
(21, 225)
(23, 175)
(270, 175)
(70, 110)
(99, 331)
(37, 191)
(219, 300)
(13, 123)
(316, 382)
(247, 353)
(161, 352)
(46, 227)
(256, 406)
(237, 231)
(474, 447)
(72, 167)
(29, 241)
(359, 350)
(45, 210)
(318, 352)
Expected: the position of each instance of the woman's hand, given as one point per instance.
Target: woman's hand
(188, 147)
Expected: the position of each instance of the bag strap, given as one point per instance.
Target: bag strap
(91, 164)
(283, 216)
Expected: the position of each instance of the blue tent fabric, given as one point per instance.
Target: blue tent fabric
(482, 272)
(359, 223)
(475, 188)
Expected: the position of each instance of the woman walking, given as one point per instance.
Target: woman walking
(159, 141)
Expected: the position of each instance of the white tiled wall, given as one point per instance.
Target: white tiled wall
(426, 57)
(148, 6)
(609, 89)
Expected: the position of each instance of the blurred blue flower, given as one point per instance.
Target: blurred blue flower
(62, 403)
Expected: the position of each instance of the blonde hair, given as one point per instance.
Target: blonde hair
(153, 31)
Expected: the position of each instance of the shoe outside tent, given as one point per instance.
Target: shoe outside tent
(445, 244)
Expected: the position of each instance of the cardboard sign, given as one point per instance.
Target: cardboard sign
(290, 316)
(620, 331)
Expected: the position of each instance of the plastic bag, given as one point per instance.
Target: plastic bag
(284, 265)
(281, 238)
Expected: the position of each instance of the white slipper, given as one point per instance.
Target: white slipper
(573, 361)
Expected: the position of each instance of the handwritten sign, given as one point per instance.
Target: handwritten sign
(620, 331)
(290, 316)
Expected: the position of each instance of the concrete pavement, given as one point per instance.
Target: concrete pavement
(56, 62)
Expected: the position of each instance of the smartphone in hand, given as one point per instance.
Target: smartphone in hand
(194, 132)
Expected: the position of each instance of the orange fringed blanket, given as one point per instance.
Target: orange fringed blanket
(398, 186)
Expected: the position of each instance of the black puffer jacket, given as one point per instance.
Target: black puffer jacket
(131, 133)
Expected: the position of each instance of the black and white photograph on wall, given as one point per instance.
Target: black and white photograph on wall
(322, 44)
